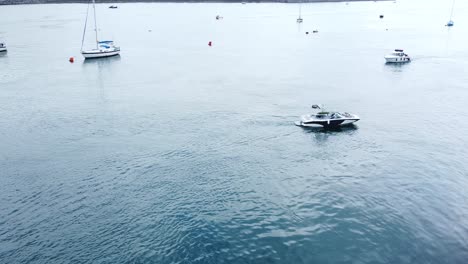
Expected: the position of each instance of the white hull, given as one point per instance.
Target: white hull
(99, 54)
(3, 49)
(397, 60)
(334, 123)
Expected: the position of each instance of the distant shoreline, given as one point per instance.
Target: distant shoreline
(38, 2)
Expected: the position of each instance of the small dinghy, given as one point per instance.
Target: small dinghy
(327, 119)
(113, 7)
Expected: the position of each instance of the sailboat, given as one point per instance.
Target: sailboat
(104, 48)
(299, 19)
(450, 23)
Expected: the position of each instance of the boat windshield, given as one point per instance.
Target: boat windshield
(335, 116)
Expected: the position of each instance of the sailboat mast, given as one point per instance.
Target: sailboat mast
(95, 23)
(451, 13)
(300, 9)
(84, 30)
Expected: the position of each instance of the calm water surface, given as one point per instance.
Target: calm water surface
(177, 152)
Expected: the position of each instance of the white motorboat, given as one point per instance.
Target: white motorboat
(327, 119)
(103, 48)
(398, 56)
(3, 47)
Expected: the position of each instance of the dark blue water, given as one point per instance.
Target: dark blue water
(176, 152)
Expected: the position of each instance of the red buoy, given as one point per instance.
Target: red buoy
(71, 60)
(209, 43)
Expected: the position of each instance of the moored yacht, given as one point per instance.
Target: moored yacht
(398, 56)
(450, 23)
(3, 47)
(103, 48)
(327, 119)
(299, 19)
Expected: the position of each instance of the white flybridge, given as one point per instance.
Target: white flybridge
(299, 19)
(104, 48)
(2, 47)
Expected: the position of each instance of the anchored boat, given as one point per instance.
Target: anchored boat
(103, 48)
(3, 47)
(299, 19)
(450, 23)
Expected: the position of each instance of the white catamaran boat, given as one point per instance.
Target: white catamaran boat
(2, 47)
(104, 48)
(327, 119)
(398, 56)
(299, 19)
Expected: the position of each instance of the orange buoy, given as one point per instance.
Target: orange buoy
(71, 60)
(209, 43)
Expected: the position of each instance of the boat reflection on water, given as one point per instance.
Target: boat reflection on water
(322, 134)
(396, 67)
(102, 61)
(331, 130)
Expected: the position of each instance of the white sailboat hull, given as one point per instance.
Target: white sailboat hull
(3, 49)
(94, 54)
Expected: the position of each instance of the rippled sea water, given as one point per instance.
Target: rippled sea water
(177, 152)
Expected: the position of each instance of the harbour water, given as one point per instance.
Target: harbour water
(177, 152)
